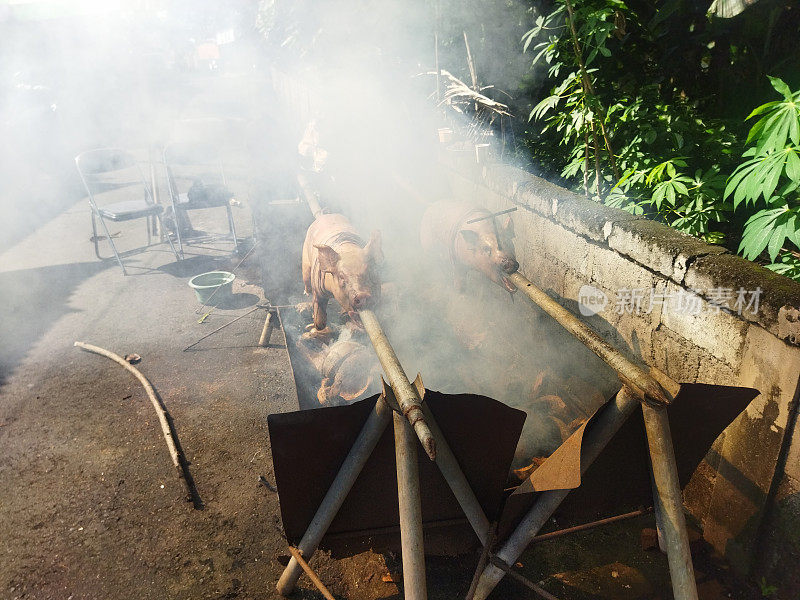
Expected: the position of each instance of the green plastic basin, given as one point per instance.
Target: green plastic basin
(206, 284)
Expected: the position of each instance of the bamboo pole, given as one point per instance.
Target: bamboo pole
(655, 391)
(444, 457)
(640, 382)
(266, 332)
(408, 495)
(407, 396)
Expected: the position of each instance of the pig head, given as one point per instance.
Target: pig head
(484, 245)
(338, 264)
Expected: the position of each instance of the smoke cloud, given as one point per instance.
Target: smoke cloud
(79, 75)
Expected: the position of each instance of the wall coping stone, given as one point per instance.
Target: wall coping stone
(685, 260)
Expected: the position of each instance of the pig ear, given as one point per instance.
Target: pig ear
(508, 228)
(373, 247)
(328, 259)
(470, 237)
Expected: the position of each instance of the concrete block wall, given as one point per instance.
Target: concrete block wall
(746, 493)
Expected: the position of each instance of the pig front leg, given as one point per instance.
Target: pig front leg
(319, 329)
(319, 312)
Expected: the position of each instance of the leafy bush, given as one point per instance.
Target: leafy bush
(620, 126)
(769, 182)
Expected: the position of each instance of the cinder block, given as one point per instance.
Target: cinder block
(675, 356)
(789, 324)
(699, 491)
(589, 218)
(617, 272)
(565, 245)
(779, 300)
(505, 179)
(716, 331)
(657, 246)
(540, 195)
(714, 370)
(783, 533)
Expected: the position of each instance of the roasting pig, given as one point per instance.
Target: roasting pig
(338, 264)
(484, 246)
(349, 370)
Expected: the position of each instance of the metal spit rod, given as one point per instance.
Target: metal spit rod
(444, 457)
(407, 397)
(654, 398)
(641, 383)
(410, 507)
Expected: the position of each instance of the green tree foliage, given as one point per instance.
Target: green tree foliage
(768, 181)
(631, 128)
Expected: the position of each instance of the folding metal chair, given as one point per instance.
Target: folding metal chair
(196, 180)
(115, 173)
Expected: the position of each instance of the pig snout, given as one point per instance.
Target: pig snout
(509, 264)
(361, 300)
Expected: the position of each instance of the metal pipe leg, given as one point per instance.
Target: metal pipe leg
(169, 239)
(232, 228)
(348, 473)
(451, 470)
(94, 237)
(669, 503)
(657, 512)
(604, 428)
(408, 495)
(113, 246)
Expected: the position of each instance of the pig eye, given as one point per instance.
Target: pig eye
(487, 250)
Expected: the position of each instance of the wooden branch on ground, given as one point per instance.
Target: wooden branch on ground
(310, 572)
(178, 460)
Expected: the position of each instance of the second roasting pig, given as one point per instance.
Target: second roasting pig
(337, 263)
(484, 245)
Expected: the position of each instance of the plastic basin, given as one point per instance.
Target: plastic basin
(218, 283)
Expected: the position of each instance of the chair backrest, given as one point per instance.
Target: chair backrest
(105, 170)
(187, 162)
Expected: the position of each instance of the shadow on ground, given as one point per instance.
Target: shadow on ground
(35, 299)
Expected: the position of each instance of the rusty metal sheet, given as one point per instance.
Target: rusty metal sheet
(620, 477)
(561, 470)
(309, 446)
